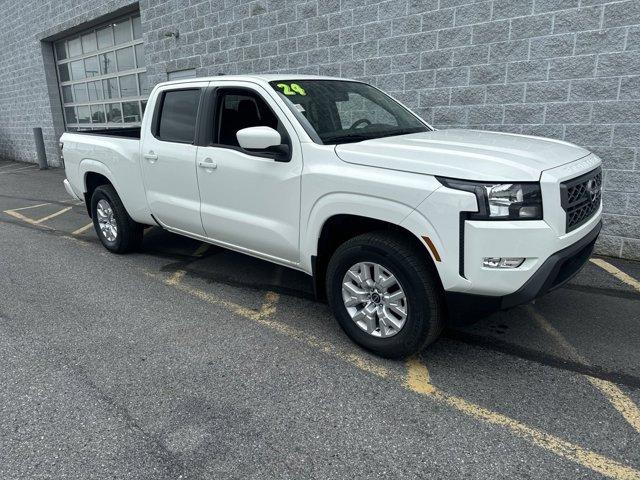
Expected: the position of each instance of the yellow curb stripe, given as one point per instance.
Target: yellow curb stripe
(53, 215)
(418, 381)
(616, 272)
(618, 399)
(82, 229)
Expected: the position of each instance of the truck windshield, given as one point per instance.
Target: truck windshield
(339, 111)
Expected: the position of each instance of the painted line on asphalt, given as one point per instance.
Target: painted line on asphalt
(416, 380)
(82, 229)
(25, 219)
(53, 215)
(201, 250)
(618, 399)
(27, 208)
(616, 272)
(17, 169)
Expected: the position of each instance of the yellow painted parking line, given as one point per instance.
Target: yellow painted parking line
(416, 380)
(53, 215)
(201, 249)
(616, 272)
(15, 165)
(618, 399)
(419, 382)
(18, 169)
(82, 229)
(28, 220)
(27, 208)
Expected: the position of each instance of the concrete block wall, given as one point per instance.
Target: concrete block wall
(567, 69)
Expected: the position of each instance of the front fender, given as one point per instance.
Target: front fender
(346, 204)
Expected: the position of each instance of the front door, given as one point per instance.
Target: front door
(249, 200)
(169, 159)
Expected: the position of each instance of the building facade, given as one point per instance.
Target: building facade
(567, 69)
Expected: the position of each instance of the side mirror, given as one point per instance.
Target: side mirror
(258, 138)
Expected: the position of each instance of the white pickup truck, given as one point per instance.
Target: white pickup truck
(403, 227)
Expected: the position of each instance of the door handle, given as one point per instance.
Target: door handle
(151, 157)
(208, 164)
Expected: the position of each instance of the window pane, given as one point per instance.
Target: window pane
(241, 111)
(122, 32)
(125, 59)
(67, 94)
(63, 72)
(95, 90)
(144, 83)
(70, 114)
(75, 47)
(91, 66)
(97, 114)
(178, 117)
(131, 112)
(89, 43)
(139, 55)
(110, 86)
(80, 92)
(105, 37)
(61, 50)
(107, 63)
(143, 104)
(128, 86)
(137, 27)
(114, 114)
(83, 114)
(77, 70)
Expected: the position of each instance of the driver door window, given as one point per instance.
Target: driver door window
(242, 109)
(363, 111)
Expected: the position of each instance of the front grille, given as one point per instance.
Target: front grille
(581, 197)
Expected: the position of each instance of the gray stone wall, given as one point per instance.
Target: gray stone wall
(567, 69)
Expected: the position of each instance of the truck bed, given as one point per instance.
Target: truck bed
(128, 132)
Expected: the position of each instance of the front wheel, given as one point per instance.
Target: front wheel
(117, 231)
(384, 294)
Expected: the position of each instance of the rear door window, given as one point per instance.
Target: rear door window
(178, 113)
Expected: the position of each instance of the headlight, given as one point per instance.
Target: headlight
(501, 201)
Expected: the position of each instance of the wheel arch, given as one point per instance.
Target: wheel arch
(339, 228)
(94, 174)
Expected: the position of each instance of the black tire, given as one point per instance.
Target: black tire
(129, 232)
(409, 264)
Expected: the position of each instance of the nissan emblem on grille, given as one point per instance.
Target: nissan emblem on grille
(581, 197)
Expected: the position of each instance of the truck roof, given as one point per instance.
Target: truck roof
(252, 77)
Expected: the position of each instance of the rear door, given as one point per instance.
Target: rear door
(169, 158)
(250, 201)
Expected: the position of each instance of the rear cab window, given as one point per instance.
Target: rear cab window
(177, 115)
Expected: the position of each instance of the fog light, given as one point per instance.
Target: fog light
(502, 262)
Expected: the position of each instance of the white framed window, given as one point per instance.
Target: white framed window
(102, 75)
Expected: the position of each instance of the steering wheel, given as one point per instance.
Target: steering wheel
(366, 122)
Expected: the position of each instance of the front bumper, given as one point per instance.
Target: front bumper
(555, 271)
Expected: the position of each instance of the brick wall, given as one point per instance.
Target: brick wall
(567, 69)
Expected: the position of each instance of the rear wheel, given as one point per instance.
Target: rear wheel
(384, 294)
(117, 231)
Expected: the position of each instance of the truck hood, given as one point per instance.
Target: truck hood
(464, 154)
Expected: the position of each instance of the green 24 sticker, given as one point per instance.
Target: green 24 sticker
(292, 89)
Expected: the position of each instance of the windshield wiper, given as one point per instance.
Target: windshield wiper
(348, 138)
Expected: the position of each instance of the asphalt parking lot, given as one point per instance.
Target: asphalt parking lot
(194, 362)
